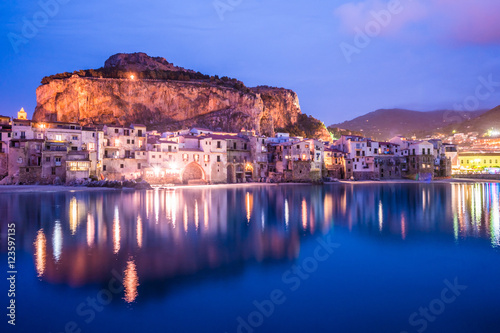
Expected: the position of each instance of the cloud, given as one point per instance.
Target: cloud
(455, 21)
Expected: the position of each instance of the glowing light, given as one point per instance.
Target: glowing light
(116, 231)
(156, 171)
(304, 213)
(196, 215)
(185, 217)
(263, 222)
(249, 205)
(380, 216)
(90, 229)
(287, 216)
(495, 218)
(73, 215)
(403, 227)
(139, 231)
(130, 282)
(132, 77)
(57, 240)
(205, 213)
(157, 205)
(40, 252)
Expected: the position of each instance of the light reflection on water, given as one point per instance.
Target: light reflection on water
(78, 238)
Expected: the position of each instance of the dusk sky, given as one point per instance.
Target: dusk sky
(424, 55)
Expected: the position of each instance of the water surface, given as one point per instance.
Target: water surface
(335, 258)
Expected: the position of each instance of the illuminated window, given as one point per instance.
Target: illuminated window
(91, 146)
(207, 158)
(58, 137)
(303, 156)
(185, 157)
(196, 157)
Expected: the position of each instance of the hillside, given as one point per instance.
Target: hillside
(137, 88)
(481, 124)
(384, 124)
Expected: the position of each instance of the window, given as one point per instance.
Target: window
(128, 141)
(58, 137)
(234, 145)
(196, 157)
(133, 141)
(185, 157)
(104, 168)
(428, 151)
(298, 147)
(245, 146)
(423, 151)
(218, 158)
(47, 159)
(27, 169)
(53, 170)
(116, 130)
(169, 149)
(126, 132)
(74, 137)
(57, 159)
(139, 166)
(93, 135)
(218, 144)
(154, 156)
(121, 166)
(74, 148)
(91, 146)
(139, 133)
(207, 158)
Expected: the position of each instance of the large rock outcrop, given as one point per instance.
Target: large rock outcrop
(162, 104)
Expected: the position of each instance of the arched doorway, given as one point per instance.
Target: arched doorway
(248, 172)
(193, 172)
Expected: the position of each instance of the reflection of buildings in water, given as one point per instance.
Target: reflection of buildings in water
(40, 245)
(224, 227)
(73, 217)
(57, 240)
(476, 208)
(90, 229)
(116, 231)
(130, 281)
(139, 231)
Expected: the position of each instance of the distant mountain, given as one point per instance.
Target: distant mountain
(481, 124)
(384, 124)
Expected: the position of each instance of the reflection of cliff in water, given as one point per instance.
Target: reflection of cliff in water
(168, 234)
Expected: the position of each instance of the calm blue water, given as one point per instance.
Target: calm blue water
(339, 258)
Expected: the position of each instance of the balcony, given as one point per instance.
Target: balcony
(55, 148)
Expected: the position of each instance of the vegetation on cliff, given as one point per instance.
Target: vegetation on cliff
(157, 74)
(306, 126)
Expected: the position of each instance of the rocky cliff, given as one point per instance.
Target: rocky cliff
(111, 96)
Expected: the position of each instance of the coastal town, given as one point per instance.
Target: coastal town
(68, 153)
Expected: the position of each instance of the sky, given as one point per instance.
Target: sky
(343, 58)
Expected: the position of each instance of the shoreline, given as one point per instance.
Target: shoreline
(65, 188)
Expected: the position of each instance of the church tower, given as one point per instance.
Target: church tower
(22, 114)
